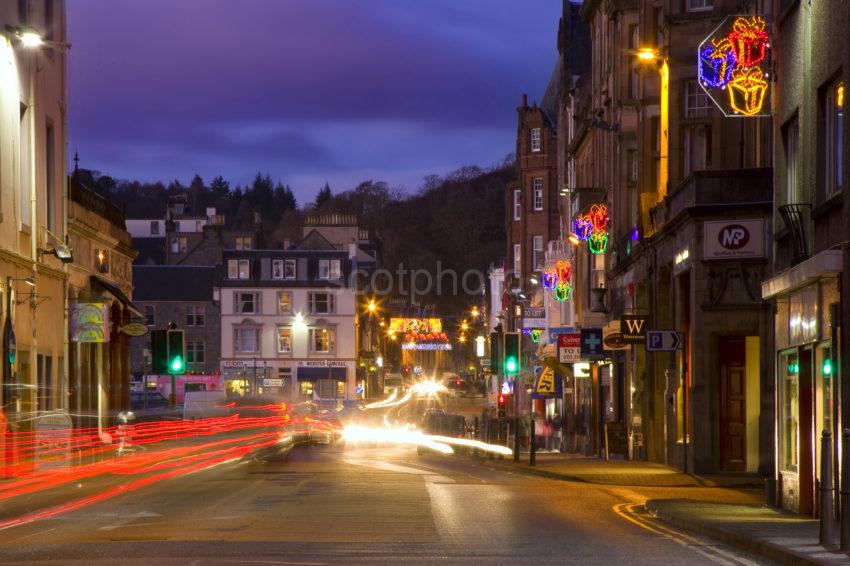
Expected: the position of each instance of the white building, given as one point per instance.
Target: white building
(288, 322)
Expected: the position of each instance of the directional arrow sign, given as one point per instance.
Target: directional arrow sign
(662, 341)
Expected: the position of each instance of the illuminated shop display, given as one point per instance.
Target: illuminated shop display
(733, 66)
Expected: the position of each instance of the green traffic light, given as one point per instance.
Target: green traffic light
(177, 364)
(827, 367)
(510, 365)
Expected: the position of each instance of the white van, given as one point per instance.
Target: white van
(203, 404)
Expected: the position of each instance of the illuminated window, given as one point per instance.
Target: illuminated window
(789, 370)
(322, 340)
(329, 269)
(284, 302)
(306, 388)
(284, 340)
(535, 139)
(517, 206)
(243, 242)
(537, 188)
(833, 116)
(244, 269)
(178, 244)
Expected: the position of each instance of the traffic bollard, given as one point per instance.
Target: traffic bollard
(826, 489)
(532, 449)
(845, 489)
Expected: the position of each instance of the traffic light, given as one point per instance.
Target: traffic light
(176, 356)
(159, 352)
(511, 353)
(503, 401)
(496, 353)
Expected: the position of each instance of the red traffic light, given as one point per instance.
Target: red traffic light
(502, 400)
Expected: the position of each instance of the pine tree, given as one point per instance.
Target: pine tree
(323, 196)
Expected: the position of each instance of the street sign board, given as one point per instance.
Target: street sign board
(733, 239)
(533, 317)
(272, 382)
(633, 328)
(591, 343)
(556, 331)
(547, 385)
(569, 347)
(662, 341)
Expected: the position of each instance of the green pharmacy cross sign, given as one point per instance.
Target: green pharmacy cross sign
(734, 67)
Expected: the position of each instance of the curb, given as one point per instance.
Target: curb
(762, 548)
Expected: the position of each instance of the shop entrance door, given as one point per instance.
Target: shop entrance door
(733, 404)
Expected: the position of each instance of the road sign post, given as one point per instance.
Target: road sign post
(662, 341)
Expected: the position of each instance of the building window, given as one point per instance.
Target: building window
(284, 340)
(178, 244)
(517, 205)
(329, 269)
(246, 340)
(194, 352)
(154, 228)
(246, 303)
(697, 148)
(597, 273)
(537, 189)
(321, 303)
(195, 315)
(244, 269)
(289, 269)
(538, 257)
(517, 260)
(277, 269)
(243, 242)
(535, 139)
(833, 105)
(322, 340)
(150, 316)
(789, 369)
(238, 269)
(284, 302)
(50, 175)
(700, 5)
(697, 103)
(634, 45)
(792, 187)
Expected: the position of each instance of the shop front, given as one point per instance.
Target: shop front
(323, 380)
(806, 328)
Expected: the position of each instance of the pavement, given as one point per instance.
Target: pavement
(748, 524)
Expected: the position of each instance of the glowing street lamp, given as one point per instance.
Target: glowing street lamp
(646, 54)
(372, 306)
(464, 325)
(475, 312)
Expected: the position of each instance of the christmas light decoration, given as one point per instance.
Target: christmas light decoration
(747, 91)
(716, 63)
(749, 40)
(598, 242)
(563, 291)
(535, 335)
(598, 217)
(635, 233)
(550, 279)
(733, 58)
(582, 227)
(564, 270)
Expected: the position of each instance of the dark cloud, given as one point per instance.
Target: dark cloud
(302, 89)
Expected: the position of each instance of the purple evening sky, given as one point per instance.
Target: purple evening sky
(309, 91)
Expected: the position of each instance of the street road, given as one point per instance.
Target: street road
(366, 505)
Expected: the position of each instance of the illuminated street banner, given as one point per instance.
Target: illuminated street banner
(734, 67)
(416, 325)
(89, 322)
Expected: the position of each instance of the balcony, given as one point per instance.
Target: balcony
(797, 218)
(715, 191)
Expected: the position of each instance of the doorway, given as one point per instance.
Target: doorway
(806, 400)
(733, 404)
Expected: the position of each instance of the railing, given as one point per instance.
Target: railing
(94, 202)
(795, 217)
(331, 220)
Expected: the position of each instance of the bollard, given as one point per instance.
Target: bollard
(826, 489)
(516, 440)
(845, 489)
(532, 449)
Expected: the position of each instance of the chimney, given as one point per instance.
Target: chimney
(524, 101)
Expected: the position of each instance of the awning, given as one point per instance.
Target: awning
(313, 374)
(117, 293)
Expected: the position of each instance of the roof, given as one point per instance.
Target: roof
(314, 241)
(173, 282)
(549, 104)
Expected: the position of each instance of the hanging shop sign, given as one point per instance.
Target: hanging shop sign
(733, 66)
(548, 385)
(591, 344)
(733, 239)
(134, 329)
(612, 337)
(633, 328)
(569, 347)
(89, 322)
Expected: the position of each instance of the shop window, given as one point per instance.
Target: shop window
(789, 370)
(306, 388)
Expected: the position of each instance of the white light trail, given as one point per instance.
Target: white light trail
(401, 435)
